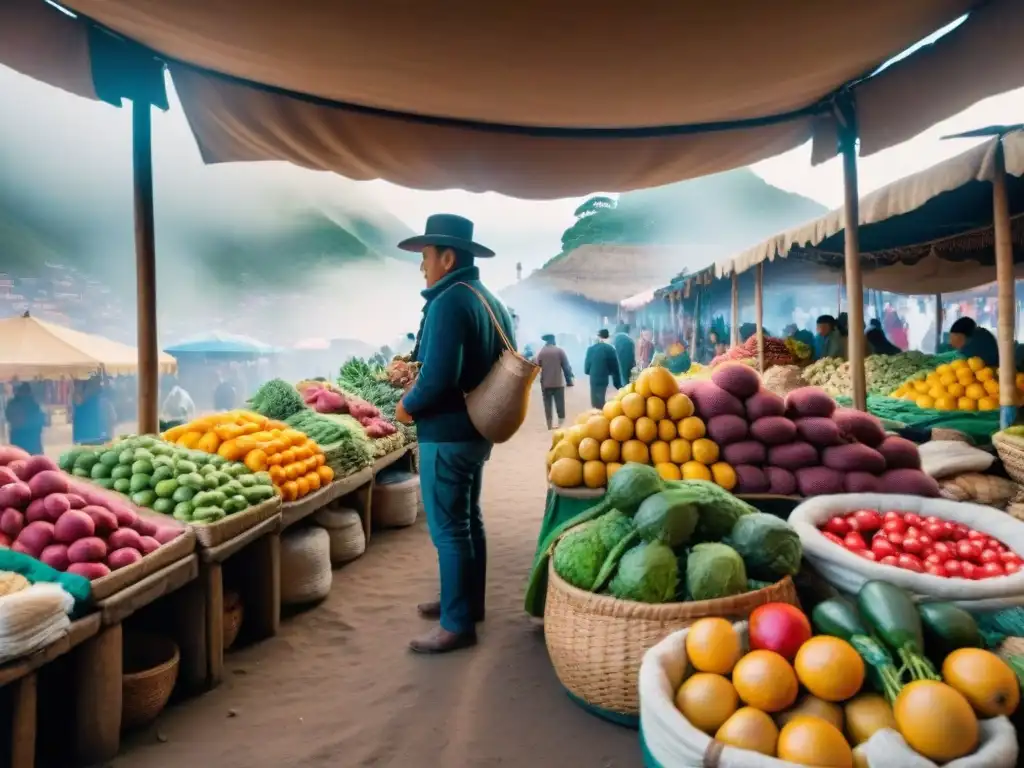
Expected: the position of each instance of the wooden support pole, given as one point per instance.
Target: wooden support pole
(854, 283)
(1006, 291)
(98, 697)
(23, 722)
(734, 336)
(696, 324)
(759, 313)
(145, 267)
(939, 320)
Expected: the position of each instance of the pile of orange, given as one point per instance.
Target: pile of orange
(962, 385)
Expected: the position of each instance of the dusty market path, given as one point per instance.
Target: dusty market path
(338, 688)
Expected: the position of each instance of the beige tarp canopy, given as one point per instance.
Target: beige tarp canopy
(30, 347)
(533, 98)
(930, 232)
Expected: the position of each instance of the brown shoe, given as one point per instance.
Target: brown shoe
(432, 611)
(440, 640)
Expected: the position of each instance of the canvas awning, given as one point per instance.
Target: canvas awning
(218, 343)
(534, 99)
(914, 230)
(30, 347)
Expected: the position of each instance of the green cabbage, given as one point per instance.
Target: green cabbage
(769, 546)
(579, 555)
(612, 527)
(714, 571)
(718, 510)
(648, 573)
(669, 516)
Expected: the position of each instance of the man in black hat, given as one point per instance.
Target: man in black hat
(601, 364)
(625, 350)
(555, 376)
(458, 345)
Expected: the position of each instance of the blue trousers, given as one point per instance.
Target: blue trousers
(451, 476)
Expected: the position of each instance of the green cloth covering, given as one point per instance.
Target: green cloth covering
(649, 760)
(77, 586)
(557, 510)
(979, 425)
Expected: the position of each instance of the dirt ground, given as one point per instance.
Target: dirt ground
(337, 686)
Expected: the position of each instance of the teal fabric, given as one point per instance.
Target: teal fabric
(602, 366)
(626, 721)
(36, 572)
(649, 760)
(458, 346)
(557, 510)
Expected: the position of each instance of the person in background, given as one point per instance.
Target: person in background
(645, 348)
(26, 419)
(971, 340)
(877, 342)
(716, 346)
(555, 376)
(464, 332)
(178, 406)
(828, 341)
(94, 419)
(625, 351)
(225, 395)
(895, 328)
(601, 365)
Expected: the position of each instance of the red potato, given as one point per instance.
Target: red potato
(125, 537)
(37, 464)
(15, 495)
(149, 544)
(36, 510)
(7, 477)
(122, 558)
(90, 550)
(36, 536)
(47, 482)
(168, 534)
(91, 571)
(126, 517)
(145, 526)
(11, 521)
(20, 468)
(17, 546)
(56, 504)
(5, 543)
(73, 525)
(76, 501)
(9, 453)
(105, 520)
(56, 556)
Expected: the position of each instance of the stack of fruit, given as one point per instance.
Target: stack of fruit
(649, 422)
(852, 688)
(962, 385)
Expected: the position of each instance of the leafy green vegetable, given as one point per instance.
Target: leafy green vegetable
(769, 546)
(713, 571)
(669, 516)
(277, 399)
(579, 555)
(647, 573)
(613, 527)
(718, 510)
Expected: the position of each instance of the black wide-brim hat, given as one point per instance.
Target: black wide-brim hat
(447, 231)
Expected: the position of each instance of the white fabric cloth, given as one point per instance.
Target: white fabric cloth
(33, 618)
(178, 406)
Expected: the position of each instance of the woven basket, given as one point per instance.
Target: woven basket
(234, 613)
(1011, 453)
(396, 505)
(305, 566)
(345, 529)
(150, 672)
(596, 642)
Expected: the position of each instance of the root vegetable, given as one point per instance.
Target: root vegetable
(76, 501)
(36, 536)
(122, 558)
(7, 477)
(149, 544)
(15, 495)
(11, 522)
(167, 534)
(36, 510)
(47, 482)
(125, 537)
(105, 520)
(56, 504)
(55, 556)
(39, 464)
(9, 453)
(145, 526)
(20, 468)
(73, 525)
(89, 570)
(89, 550)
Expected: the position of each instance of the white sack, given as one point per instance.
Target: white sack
(33, 618)
(942, 458)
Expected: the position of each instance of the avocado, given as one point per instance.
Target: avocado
(140, 483)
(143, 498)
(127, 456)
(184, 493)
(239, 502)
(142, 466)
(121, 472)
(258, 493)
(217, 460)
(122, 485)
(99, 471)
(105, 482)
(184, 467)
(222, 478)
(143, 454)
(163, 461)
(109, 458)
(264, 478)
(165, 488)
(162, 473)
(79, 472)
(231, 488)
(207, 514)
(207, 469)
(235, 469)
(183, 511)
(163, 506)
(192, 480)
(246, 481)
(85, 461)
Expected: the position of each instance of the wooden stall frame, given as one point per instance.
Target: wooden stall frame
(851, 241)
(734, 336)
(1006, 287)
(145, 266)
(759, 313)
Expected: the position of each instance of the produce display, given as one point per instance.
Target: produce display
(801, 444)
(922, 544)
(655, 541)
(68, 524)
(979, 425)
(882, 373)
(371, 383)
(323, 398)
(354, 450)
(961, 385)
(294, 462)
(802, 353)
(649, 422)
(783, 379)
(776, 352)
(401, 372)
(191, 485)
(814, 691)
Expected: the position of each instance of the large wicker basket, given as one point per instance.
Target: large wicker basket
(396, 505)
(596, 642)
(150, 672)
(1011, 453)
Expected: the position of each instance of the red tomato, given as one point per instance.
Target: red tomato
(854, 541)
(896, 539)
(910, 563)
(926, 541)
(935, 530)
(993, 544)
(1011, 566)
(913, 519)
(943, 550)
(890, 560)
(892, 516)
(838, 526)
(974, 535)
(948, 529)
(1009, 557)
(931, 519)
(934, 559)
(834, 539)
(867, 554)
(935, 569)
(852, 522)
(953, 568)
(988, 570)
(960, 531)
(882, 547)
(778, 627)
(989, 556)
(968, 570)
(912, 545)
(896, 525)
(968, 550)
(867, 520)
(912, 530)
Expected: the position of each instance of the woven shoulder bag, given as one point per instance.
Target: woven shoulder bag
(498, 406)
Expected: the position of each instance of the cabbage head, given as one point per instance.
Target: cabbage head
(769, 546)
(713, 571)
(579, 555)
(612, 527)
(647, 573)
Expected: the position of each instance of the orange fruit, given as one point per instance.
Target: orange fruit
(712, 645)
(691, 428)
(936, 720)
(594, 474)
(621, 429)
(612, 409)
(984, 679)
(707, 701)
(610, 451)
(694, 470)
(749, 729)
(634, 450)
(655, 408)
(660, 452)
(829, 668)
(314, 481)
(812, 741)
(667, 471)
(646, 430)
(666, 430)
(764, 680)
(811, 706)
(634, 405)
(705, 451)
(680, 406)
(988, 404)
(589, 449)
(565, 473)
(597, 427)
(723, 475)
(662, 383)
(611, 468)
(680, 451)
